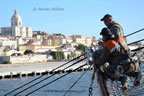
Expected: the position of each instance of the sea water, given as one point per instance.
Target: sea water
(57, 88)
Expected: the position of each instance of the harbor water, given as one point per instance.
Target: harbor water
(57, 88)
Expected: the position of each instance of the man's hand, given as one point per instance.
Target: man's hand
(100, 43)
(90, 61)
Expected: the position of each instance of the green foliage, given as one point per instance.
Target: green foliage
(82, 47)
(68, 56)
(28, 52)
(58, 55)
(7, 62)
(42, 33)
(71, 56)
(34, 35)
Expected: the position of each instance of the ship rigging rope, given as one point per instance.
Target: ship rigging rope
(55, 80)
(67, 63)
(43, 75)
(26, 89)
(74, 83)
(134, 32)
(136, 42)
(115, 88)
(49, 77)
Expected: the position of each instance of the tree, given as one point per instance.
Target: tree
(42, 33)
(68, 56)
(73, 55)
(7, 62)
(82, 47)
(34, 35)
(28, 52)
(53, 54)
(58, 55)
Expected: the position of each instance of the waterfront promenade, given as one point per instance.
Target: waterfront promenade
(8, 70)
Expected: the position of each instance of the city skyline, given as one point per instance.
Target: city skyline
(75, 17)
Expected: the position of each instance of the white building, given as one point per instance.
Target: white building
(69, 39)
(16, 28)
(11, 43)
(24, 58)
(61, 40)
(88, 41)
(3, 38)
(79, 39)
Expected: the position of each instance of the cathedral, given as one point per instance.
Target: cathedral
(16, 28)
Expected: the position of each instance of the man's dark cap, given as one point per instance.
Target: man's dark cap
(106, 16)
(105, 31)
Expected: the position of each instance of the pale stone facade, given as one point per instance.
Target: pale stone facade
(16, 28)
(11, 52)
(11, 43)
(69, 40)
(47, 42)
(36, 48)
(88, 41)
(61, 40)
(24, 58)
(79, 39)
(7, 31)
(37, 37)
(4, 37)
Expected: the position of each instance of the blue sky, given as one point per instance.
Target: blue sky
(81, 17)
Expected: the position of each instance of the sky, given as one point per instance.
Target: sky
(76, 17)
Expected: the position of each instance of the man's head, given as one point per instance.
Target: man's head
(107, 19)
(106, 33)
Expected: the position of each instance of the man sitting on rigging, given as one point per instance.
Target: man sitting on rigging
(116, 53)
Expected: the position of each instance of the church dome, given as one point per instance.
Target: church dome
(16, 16)
(16, 19)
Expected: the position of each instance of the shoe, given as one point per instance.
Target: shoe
(137, 81)
(124, 82)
